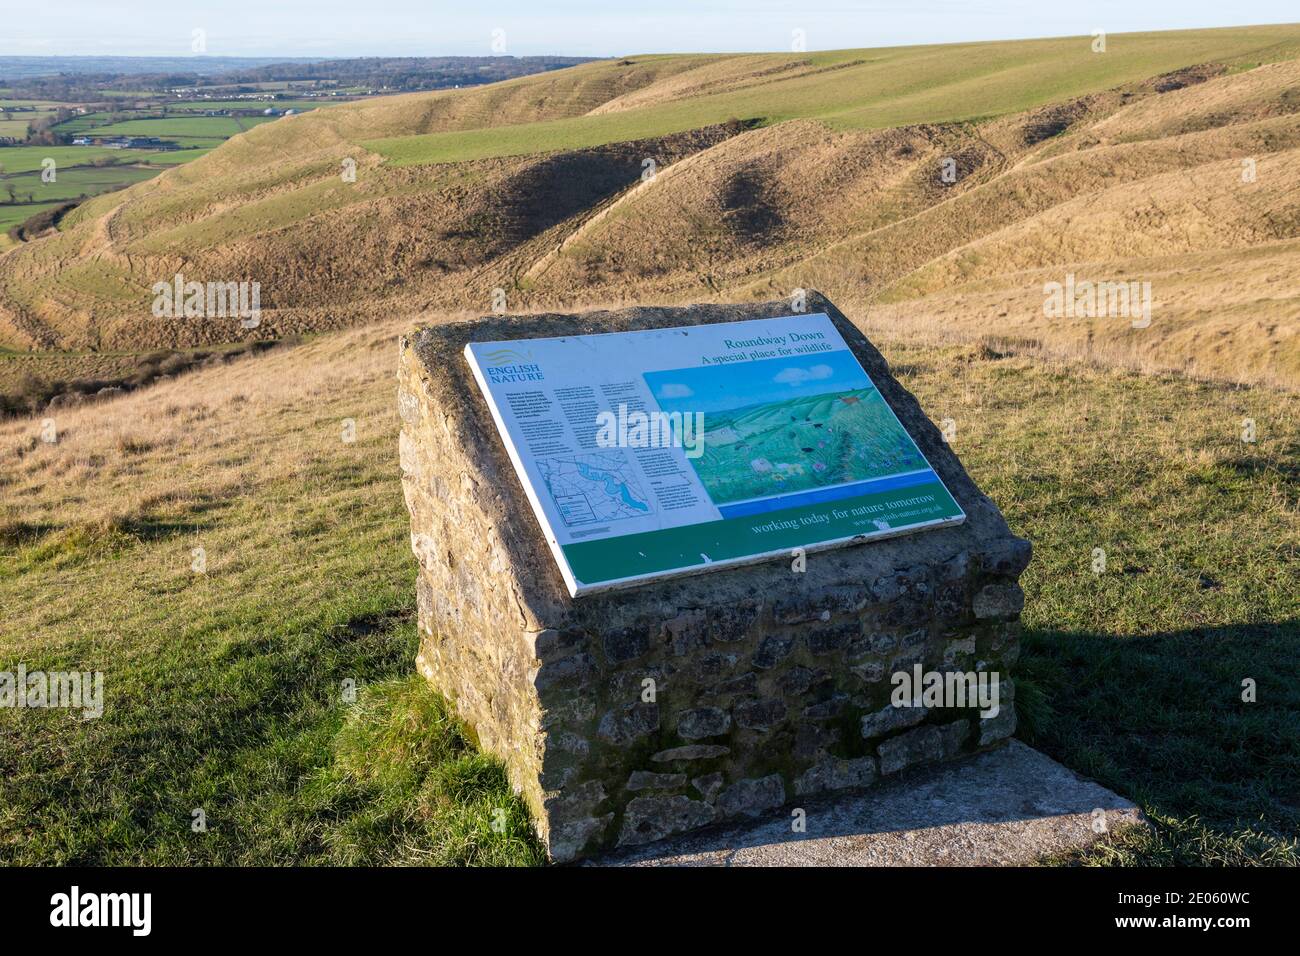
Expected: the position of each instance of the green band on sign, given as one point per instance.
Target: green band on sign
(612, 559)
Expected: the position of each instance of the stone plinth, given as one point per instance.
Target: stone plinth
(632, 715)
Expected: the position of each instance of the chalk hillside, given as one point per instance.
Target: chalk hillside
(933, 189)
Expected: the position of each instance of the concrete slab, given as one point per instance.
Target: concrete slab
(1008, 807)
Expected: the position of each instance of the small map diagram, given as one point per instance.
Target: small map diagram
(593, 487)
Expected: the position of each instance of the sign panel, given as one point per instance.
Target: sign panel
(667, 451)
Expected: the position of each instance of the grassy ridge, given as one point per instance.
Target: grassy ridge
(224, 689)
(819, 202)
(874, 88)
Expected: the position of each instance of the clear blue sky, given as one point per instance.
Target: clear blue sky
(576, 27)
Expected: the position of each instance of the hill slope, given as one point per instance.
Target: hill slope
(774, 171)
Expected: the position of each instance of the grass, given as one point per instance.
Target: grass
(183, 127)
(16, 215)
(1141, 667)
(29, 380)
(17, 123)
(224, 690)
(77, 181)
(174, 157)
(85, 122)
(26, 159)
(81, 171)
(871, 89)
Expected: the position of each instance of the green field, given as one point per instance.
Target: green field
(171, 157)
(15, 124)
(192, 132)
(75, 182)
(72, 181)
(92, 170)
(25, 159)
(15, 215)
(877, 88)
(80, 124)
(198, 106)
(176, 127)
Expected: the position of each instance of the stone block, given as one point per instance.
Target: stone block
(835, 774)
(627, 716)
(923, 745)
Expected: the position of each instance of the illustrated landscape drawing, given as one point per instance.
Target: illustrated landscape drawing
(833, 428)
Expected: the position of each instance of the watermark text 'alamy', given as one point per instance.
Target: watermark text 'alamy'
(179, 299)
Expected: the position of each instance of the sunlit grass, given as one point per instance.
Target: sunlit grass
(871, 89)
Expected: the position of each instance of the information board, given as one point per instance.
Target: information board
(667, 451)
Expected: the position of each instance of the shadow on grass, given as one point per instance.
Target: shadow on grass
(17, 534)
(1283, 460)
(200, 515)
(1166, 720)
(26, 546)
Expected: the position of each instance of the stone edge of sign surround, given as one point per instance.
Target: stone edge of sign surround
(768, 685)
